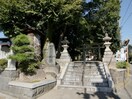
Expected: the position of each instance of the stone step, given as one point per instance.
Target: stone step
(73, 72)
(95, 67)
(96, 84)
(101, 84)
(72, 79)
(97, 80)
(70, 74)
(91, 80)
(87, 67)
(94, 74)
(87, 88)
(72, 83)
(86, 84)
(94, 77)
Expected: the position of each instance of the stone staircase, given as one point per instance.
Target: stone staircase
(92, 76)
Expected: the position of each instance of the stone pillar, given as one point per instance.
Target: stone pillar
(65, 58)
(108, 57)
(11, 65)
(65, 55)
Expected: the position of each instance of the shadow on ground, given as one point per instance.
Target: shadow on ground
(98, 95)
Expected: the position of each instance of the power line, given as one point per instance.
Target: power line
(127, 19)
(126, 10)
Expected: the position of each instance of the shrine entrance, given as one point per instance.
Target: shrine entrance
(92, 53)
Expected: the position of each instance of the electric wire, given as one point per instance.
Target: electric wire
(126, 19)
(126, 10)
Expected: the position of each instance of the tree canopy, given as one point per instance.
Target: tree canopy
(81, 22)
(43, 16)
(103, 17)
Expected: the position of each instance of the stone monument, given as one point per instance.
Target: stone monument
(45, 49)
(51, 58)
(49, 61)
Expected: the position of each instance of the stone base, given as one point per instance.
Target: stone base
(110, 60)
(5, 77)
(23, 90)
(10, 68)
(52, 71)
(10, 74)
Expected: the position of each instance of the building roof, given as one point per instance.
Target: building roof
(4, 38)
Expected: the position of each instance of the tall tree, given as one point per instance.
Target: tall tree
(42, 16)
(81, 22)
(103, 17)
(48, 18)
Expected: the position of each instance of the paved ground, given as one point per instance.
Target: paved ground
(122, 92)
(3, 96)
(76, 94)
(125, 92)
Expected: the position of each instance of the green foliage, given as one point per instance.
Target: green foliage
(3, 64)
(24, 54)
(81, 22)
(42, 16)
(122, 64)
(103, 18)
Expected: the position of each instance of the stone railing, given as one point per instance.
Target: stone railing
(109, 77)
(62, 74)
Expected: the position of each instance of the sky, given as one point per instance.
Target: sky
(125, 20)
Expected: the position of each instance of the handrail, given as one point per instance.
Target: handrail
(63, 72)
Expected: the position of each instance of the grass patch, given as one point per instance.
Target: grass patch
(122, 65)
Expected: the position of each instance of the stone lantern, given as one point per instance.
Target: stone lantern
(107, 42)
(65, 58)
(65, 55)
(108, 57)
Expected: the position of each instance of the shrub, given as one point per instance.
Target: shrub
(122, 64)
(3, 64)
(24, 54)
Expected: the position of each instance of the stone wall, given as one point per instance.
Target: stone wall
(23, 90)
(119, 76)
(5, 78)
